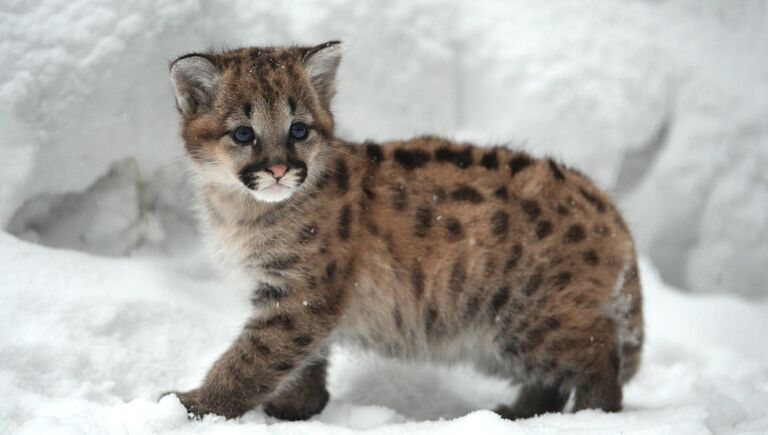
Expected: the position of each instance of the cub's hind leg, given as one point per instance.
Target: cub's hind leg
(303, 397)
(600, 388)
(535, 399)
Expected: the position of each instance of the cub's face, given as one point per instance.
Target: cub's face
(258, 119)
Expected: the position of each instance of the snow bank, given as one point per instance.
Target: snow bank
(90, 343)
(121, 213)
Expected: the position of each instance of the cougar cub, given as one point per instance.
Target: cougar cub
(422, 249)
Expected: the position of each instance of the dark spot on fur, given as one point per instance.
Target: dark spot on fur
(594, 200)
(263, 349)
(281, 263)
(556, 172)
(423, 221)
(574, 234)
(430, 319)
(534, 337)
(552, 322)
(345, 220)
(562, 210)
(259, 345)
(461, 159)
(398, 318)
(531, 209)
(543, 229)
(500, 223)
(514, 258)
(279, 320)
(368, 192)
(281, 366)
(472, 307)
(417, 279)
(267, 293)
(590, 257)
(458, 276)
(319, 309)
(562, 279)
(501, 193)
(341, 175)
(330, 272)
(533, 284)
(499, 299)
(307, 233)
(519, 163)
(467, 193)
(399, 197)
(455, 230)
(374, 153)
(411, 159)
(512, 346)
(490, 160)
(271, 217)
(302, 340)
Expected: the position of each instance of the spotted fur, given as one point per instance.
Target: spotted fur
(422, 249)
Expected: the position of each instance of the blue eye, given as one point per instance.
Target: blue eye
(243, 135)
(299, 131)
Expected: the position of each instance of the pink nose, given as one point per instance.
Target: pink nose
(278, 170)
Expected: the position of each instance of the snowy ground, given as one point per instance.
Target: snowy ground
(664, 103)
(90, 342)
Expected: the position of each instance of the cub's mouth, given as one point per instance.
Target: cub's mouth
(273, 182)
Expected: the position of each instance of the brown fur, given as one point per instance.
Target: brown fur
(422, 249)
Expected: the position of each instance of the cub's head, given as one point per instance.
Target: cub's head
(258, 118)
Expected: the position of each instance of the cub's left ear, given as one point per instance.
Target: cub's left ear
(321, 63)
(196, 81)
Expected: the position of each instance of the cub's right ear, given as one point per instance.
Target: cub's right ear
(196, 80)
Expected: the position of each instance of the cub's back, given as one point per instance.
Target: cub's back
(453, 236)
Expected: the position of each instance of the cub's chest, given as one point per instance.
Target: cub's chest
(265, 248)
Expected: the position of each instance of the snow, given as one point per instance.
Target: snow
(92, 341)
(663, 103)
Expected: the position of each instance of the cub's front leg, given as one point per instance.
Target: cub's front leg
(282, 339)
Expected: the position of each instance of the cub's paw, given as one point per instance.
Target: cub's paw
(294, 407)
(192, 400)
